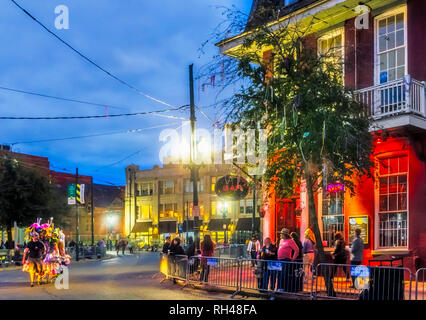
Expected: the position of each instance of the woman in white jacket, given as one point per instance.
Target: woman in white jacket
(253, 248)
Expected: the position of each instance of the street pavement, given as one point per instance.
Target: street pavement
(132, 276)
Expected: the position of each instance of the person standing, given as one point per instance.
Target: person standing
(32, 260)
(117, 247)
(309, 250)
(288, 251)
(357, 252)
(175, 259)
(123, 246)
(190, 251)
(268, 253)
(167, 245)
(253, 248)
(207, 250)
(340, 254)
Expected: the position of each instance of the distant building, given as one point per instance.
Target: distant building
(158, 203)
(108, 201)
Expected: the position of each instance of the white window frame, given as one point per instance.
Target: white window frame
(377, 202)
(331, 34)
(393, 12)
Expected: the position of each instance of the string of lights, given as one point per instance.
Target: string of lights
(110, 74)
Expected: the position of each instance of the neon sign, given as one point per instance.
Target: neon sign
(337, 187)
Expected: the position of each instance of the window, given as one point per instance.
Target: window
(213, 208)
(333, 218)
(144, 212)
(190, 204)
(393, 199)
(246, 206)
(213, 184)
(331, 44)
(391, 47)
(146, 189)
(189, 186)
(168, 210)
(167, 187)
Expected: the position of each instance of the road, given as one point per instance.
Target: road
(127, 277)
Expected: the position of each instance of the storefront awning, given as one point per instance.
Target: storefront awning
(167, 227)
(244, 224)
(217, 224)
(141, 227)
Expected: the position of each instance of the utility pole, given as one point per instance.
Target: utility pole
(77, 220)
(253, 217)
(194, 167)
(92, 211)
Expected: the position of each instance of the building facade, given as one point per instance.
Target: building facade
(158, 203)
(384, 61)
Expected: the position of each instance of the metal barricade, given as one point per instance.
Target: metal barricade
(215, 271)
(343, 281)
(174, 266)
(420, 284)
(272, 276)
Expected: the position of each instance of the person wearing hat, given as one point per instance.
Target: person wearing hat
(288, 251)
(34, 253)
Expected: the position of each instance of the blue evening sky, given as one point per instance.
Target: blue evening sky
(148, 43)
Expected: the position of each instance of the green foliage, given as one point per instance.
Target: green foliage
(26, 195)
(315, 127)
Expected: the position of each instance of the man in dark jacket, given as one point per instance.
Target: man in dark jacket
(166, 245)
(190, 251)
(175, 260)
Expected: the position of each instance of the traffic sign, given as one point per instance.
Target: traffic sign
(71, 193)
(80, 193)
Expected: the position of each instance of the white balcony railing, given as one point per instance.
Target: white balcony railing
(394, 98)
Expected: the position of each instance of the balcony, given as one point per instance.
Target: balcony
(395, 104)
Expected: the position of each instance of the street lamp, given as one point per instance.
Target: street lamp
(223, 207)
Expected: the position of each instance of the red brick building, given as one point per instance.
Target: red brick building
(385, 63)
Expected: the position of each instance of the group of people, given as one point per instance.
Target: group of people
(176, 264)
(288, 274)
(44, 254)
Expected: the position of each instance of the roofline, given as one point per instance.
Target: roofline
(222, 43)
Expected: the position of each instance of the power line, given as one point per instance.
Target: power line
(96, 116)
(90, 135)
(90, 60)
(63, 99)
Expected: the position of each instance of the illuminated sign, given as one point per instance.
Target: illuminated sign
(337, 187)
(232, 187)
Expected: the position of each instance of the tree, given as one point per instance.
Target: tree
(317, 131)
(26, 195)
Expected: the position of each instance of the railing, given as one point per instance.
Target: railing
(324, 281)
(420, 284)
(395, 97)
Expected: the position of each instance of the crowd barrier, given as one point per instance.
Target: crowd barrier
(420, 284)
(324, 281)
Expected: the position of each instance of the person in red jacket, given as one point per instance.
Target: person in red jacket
(207, 250)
